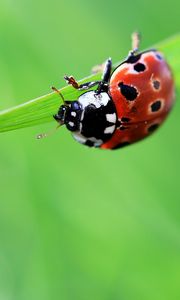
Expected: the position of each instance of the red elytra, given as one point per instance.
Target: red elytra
(146, 104)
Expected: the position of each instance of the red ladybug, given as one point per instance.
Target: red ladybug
(128, 104)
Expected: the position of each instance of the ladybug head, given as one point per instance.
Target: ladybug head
(69, 114)
(91, 119)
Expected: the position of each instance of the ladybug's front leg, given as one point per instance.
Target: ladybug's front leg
(102, 84)
(85, 86)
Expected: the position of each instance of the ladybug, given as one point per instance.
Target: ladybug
(128, 104)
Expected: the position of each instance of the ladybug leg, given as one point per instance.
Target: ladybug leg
(103, 84)
(135, 41)
(71, 80)
(85, 86)
(88, 85)
(98, 68)
(107, 70)
(135, 44)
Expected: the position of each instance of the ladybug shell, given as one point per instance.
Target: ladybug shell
(142, 90)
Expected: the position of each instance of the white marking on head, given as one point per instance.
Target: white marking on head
(109, 129)
(111, 118)
(73, 113)
(71, 124)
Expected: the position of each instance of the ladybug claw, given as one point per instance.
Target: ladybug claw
(72, 81)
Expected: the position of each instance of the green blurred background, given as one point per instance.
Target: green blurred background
(79, 223)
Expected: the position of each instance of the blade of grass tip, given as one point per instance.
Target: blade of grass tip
(42, 109)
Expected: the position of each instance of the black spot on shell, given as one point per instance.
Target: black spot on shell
(121, 145)
(153, 127)
(123, 128)
(159, 56)
(156, 106)
(133, 58)
(134, 109)
(124, 119)
(139, 67)
(156, 84)
(129, 92)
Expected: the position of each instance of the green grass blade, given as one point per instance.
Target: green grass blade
(41, 110)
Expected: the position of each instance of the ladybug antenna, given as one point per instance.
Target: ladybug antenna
(47, 134)
(59, 93)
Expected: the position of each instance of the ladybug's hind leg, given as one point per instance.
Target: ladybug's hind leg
(135, 44)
